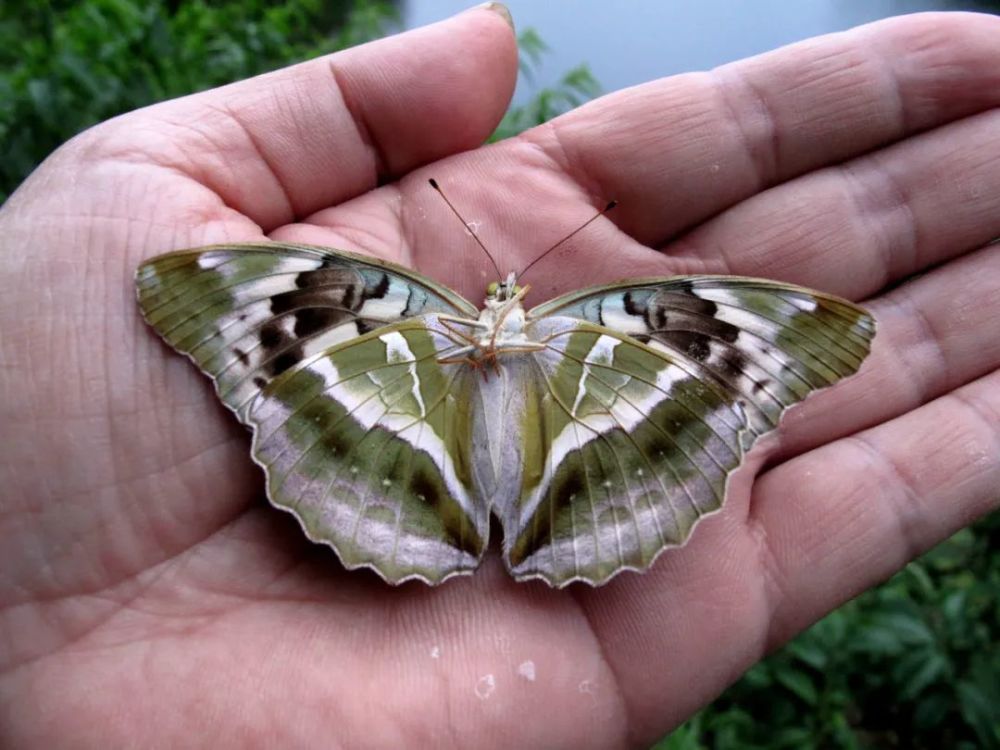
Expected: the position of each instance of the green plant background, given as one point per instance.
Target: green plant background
(914, 663)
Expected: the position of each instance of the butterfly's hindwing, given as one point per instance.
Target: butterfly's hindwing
(368, 445)
(247, 313)
(625, 450)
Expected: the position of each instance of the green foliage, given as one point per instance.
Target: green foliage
(914, 663)
(576, 86)
(67, 65)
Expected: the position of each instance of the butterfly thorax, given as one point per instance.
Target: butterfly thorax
(502, 323)
(499, 329)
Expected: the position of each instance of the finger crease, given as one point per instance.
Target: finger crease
(379, 160)
(892, 92)
(272, 170)
(407, 231)
(559, 157)
(906, 500)
(772, 588)
(764, 154)
(927, 333)
(979, 409)
(874, 205)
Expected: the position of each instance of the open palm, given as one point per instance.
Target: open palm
(150, 596)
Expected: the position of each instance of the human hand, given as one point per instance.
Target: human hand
(151, 598)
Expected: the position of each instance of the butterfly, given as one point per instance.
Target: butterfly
(392, 417)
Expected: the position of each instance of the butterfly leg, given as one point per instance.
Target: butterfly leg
(443, 317)
(472, 362)
(512, 303)
(490, 358)
(463, 337)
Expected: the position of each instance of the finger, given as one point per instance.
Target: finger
(855, 228)
(282, 145)
(680, 150)
(899, 489)
(935, 334)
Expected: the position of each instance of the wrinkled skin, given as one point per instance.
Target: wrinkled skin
(149, 597)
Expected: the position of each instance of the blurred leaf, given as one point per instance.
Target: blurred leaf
(798, 738)
(953, 607)
(758, 676)
(576, 86)
(917, 669)
(930, 710)
(531, 50)
(684, 738)
(952, 553)
(909, 629)
(921, 579)
(980, 712)
(810, 652)
(798, 682)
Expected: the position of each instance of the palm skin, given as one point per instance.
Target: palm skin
(149, 595)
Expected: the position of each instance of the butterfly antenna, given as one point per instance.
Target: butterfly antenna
(585, 224)
(475, 236)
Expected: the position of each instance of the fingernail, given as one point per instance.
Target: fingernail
(500, 9)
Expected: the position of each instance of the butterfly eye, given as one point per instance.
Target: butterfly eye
(492, 289)
(517, 288)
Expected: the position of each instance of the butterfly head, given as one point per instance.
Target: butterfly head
(502, 291)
